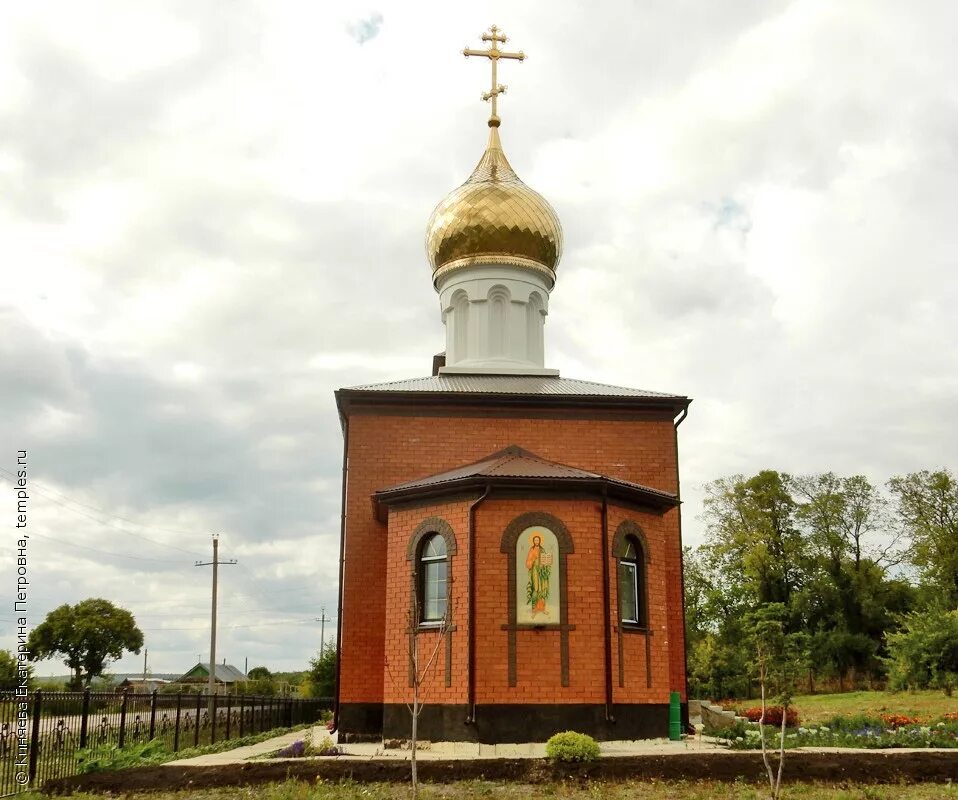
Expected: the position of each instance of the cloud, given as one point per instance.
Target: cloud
(203, 240)
(364, 30)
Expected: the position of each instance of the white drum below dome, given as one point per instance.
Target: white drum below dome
(494, 317)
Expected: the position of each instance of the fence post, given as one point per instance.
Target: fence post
(242, 713)
(122, 720)
(229, 713)
(153, 714)
(213, 719)
(196, 735)
(35, 735)
(176, 730)
(84, 718)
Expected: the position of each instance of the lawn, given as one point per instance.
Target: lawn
(817, 708)
(704, 790)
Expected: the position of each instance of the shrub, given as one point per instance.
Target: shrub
(572, 746)
(773, 715)
(307, 747)
(899, 720)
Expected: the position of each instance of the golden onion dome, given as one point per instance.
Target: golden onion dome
(494, 218)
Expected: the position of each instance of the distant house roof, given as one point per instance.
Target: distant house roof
(517, 467)
(119, 677)
(224, 673)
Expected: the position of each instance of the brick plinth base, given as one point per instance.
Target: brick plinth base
(497, 724)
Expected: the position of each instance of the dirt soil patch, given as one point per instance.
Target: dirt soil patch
(883, 766)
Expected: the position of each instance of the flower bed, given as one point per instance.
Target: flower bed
(773, 715)
(885, 731)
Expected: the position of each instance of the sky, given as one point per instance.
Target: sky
(212, 216)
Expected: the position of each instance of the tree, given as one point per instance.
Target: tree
(928, 506)
(778, 658)
(924, 654)
(715, 604)
(259, 673)
(421, 662)
(321, 678)
(9, 672)
(848, 529)
(88, 635)
(753, 535)
(420, 665)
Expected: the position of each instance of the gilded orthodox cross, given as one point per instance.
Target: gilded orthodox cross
(495, 37)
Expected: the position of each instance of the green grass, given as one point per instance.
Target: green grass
(157, 751)
(817, 708)
(680, 790)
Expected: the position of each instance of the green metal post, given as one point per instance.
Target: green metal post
(675, 717)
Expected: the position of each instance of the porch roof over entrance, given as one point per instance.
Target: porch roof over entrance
(518, 469)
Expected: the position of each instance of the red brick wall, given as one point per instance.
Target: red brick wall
(663, 595)
(387, 449)
(402, 526)
(537, 652)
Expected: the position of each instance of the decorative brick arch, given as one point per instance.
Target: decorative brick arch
(427, 527)
(507, 546)
(619, 543)
(530, 519)
(423, 529)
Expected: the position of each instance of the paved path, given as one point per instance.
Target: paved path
(451, 751)
(444, 750)
(241, 754)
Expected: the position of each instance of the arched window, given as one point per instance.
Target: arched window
(433, 577)
(631, 580)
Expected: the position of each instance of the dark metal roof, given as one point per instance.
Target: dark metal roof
(516, 467)
(512, 462)
(225, 673)
(510, 384)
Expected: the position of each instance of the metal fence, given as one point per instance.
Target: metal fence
(41, 735)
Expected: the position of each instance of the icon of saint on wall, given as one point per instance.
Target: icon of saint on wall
(539, 568)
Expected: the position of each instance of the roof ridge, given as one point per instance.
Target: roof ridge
(391, 383)
(537, 385)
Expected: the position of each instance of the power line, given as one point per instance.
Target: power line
(191, 612)
(102, 521)
(234, 627)
(104, 552)
(44, 489)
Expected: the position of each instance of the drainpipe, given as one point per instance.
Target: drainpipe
(471, 699)
(607, 605)
(342, 567)
(678, 494)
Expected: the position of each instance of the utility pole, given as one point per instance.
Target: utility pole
(322, 620)
(145, 651)
(215, 564)
(322, 633)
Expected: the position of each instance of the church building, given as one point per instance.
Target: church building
(521, 528)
